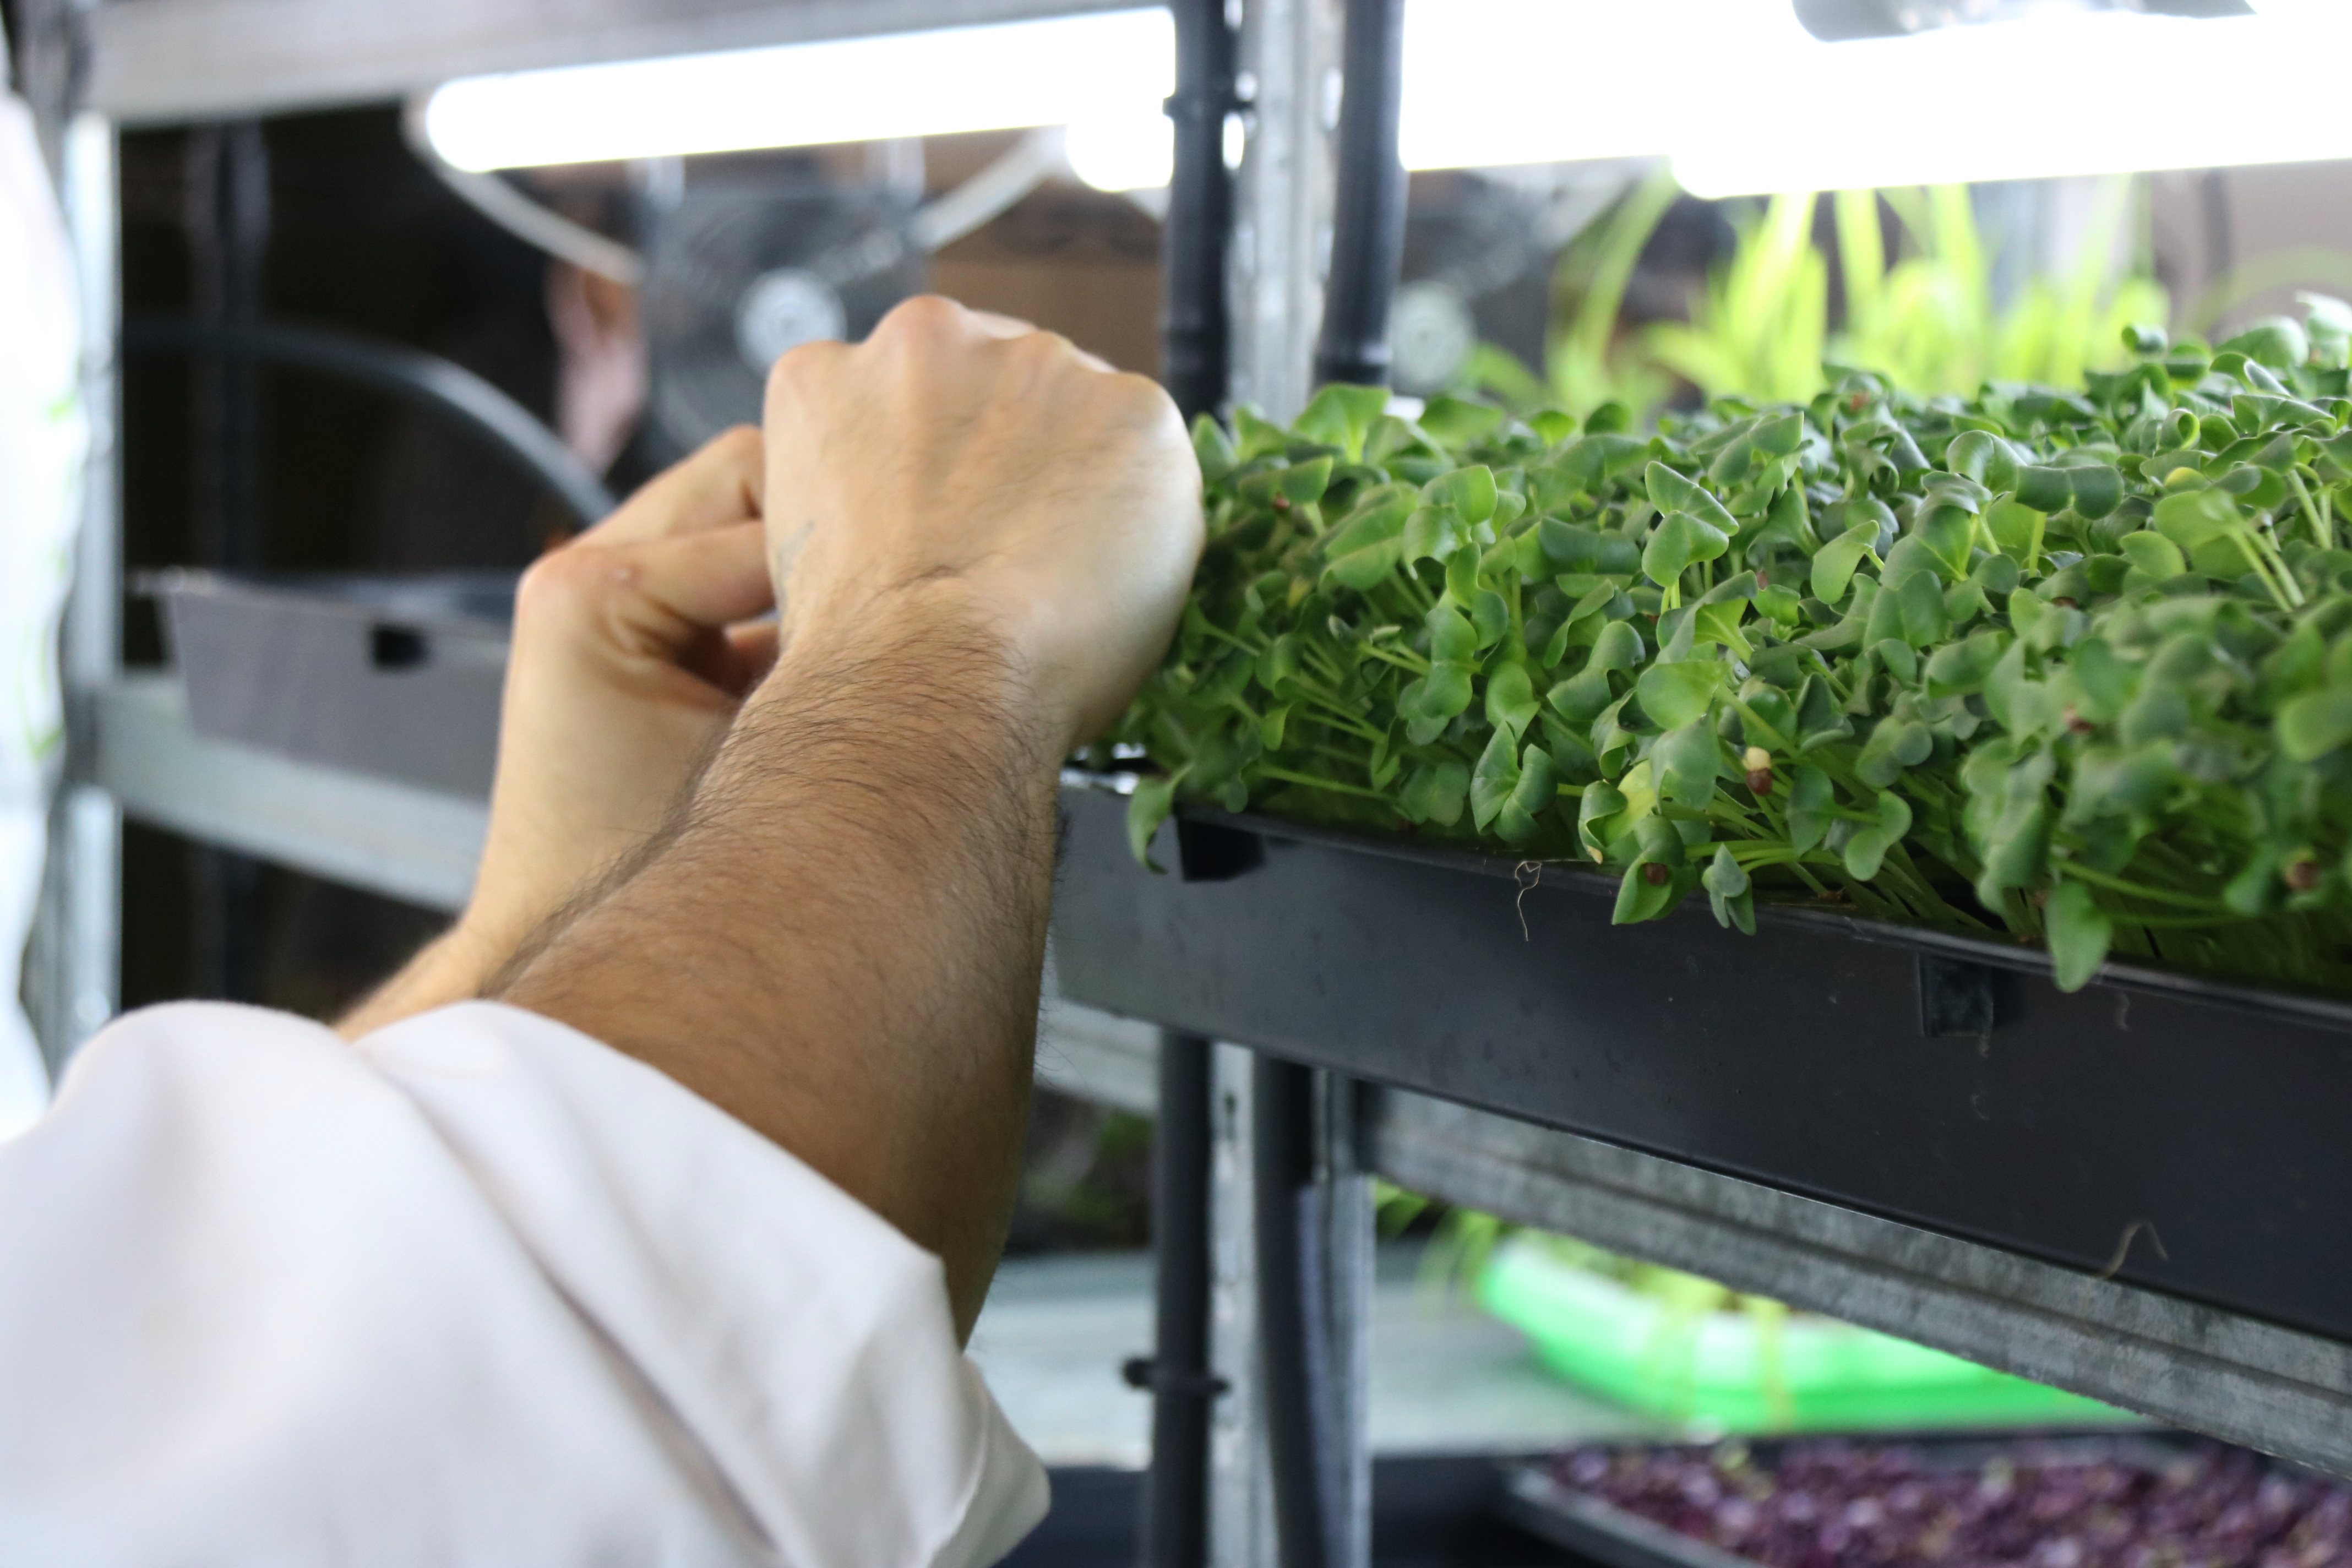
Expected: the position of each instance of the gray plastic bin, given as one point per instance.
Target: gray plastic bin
(398, 677)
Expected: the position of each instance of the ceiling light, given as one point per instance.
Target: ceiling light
(1740, 96)
(1131, 152)
(2090, 93)
(1490, 82)
(1054, 71)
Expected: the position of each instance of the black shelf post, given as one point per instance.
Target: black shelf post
(1295, 1247)
(1196, 338)
(1196, 329)
(1175, 1532)
(1367, 214)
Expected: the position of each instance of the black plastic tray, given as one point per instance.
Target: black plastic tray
(1533, 1497)
(1552, 1510)
(395, 676)
(1934, 1079)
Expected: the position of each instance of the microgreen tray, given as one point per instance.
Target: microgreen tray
(1938, 1080)
(1735, 1371)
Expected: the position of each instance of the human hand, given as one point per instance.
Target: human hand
(633, 646)
(631, 653)
(963, 463)
(982, 539)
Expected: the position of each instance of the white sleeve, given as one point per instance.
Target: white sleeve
(479, 1291)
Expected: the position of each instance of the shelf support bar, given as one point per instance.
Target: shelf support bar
(73, 972)
(1289, 82)
(2223, 1373)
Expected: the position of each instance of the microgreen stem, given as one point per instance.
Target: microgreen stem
(2115, 884)
(1324, 665)
(1755, 725)
(1215, 630)
(1339, 719)
(2318, 526)
(2263, 559)
(1403, 658)
(1809, 880)
(1312, 782)
(1333, 753)
(2178, 922)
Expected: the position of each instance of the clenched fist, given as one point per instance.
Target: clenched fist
(961, 462)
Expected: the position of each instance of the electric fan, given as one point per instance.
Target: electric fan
(740, 273)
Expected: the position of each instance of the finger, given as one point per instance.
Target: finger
(661, 599)
(707, 581)
(717, 487)
(743, 659)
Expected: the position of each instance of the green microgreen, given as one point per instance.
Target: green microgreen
(2074, 666)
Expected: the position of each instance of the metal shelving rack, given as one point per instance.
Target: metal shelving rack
(2239, 1373)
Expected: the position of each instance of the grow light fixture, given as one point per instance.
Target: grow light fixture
(2093, 93)
(1054, 71)
(1469, 100)
(1491, 82)
(1736, 93)
(1746, 102)
(1134, 151)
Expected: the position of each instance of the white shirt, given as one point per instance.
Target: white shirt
(477, 1290)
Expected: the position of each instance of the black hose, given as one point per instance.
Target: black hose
(1175, 1532)
(1368, 216)
(422, 378)
(1294, 1349)
(1195, 361)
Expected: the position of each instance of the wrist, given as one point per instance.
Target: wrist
(927, 666)
(455, 966)
(480, 943)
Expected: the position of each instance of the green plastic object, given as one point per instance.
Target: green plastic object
(1752, 1372)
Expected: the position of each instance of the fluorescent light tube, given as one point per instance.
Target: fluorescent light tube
(1132, 151)
(2091, 93)
(1746, 103)
(1490, 82)
(1735, 91)
(1052, 72)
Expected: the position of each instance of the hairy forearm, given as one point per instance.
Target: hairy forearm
(839, 939)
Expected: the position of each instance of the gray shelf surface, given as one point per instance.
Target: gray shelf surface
(416, 845)
(2230, 1376)
(1445, 1377)
(163, 60)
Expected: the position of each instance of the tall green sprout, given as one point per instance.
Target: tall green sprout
(1584, 364)
(1761, 326)
(1931, 323)
(1926, 317)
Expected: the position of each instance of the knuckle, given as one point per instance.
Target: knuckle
(1145, 402)
(796, 367)
(1140, 390)
(932, 309)
(738, 443)
(742, 450)
(564, 581)
(1046, 340)
(924, 315)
